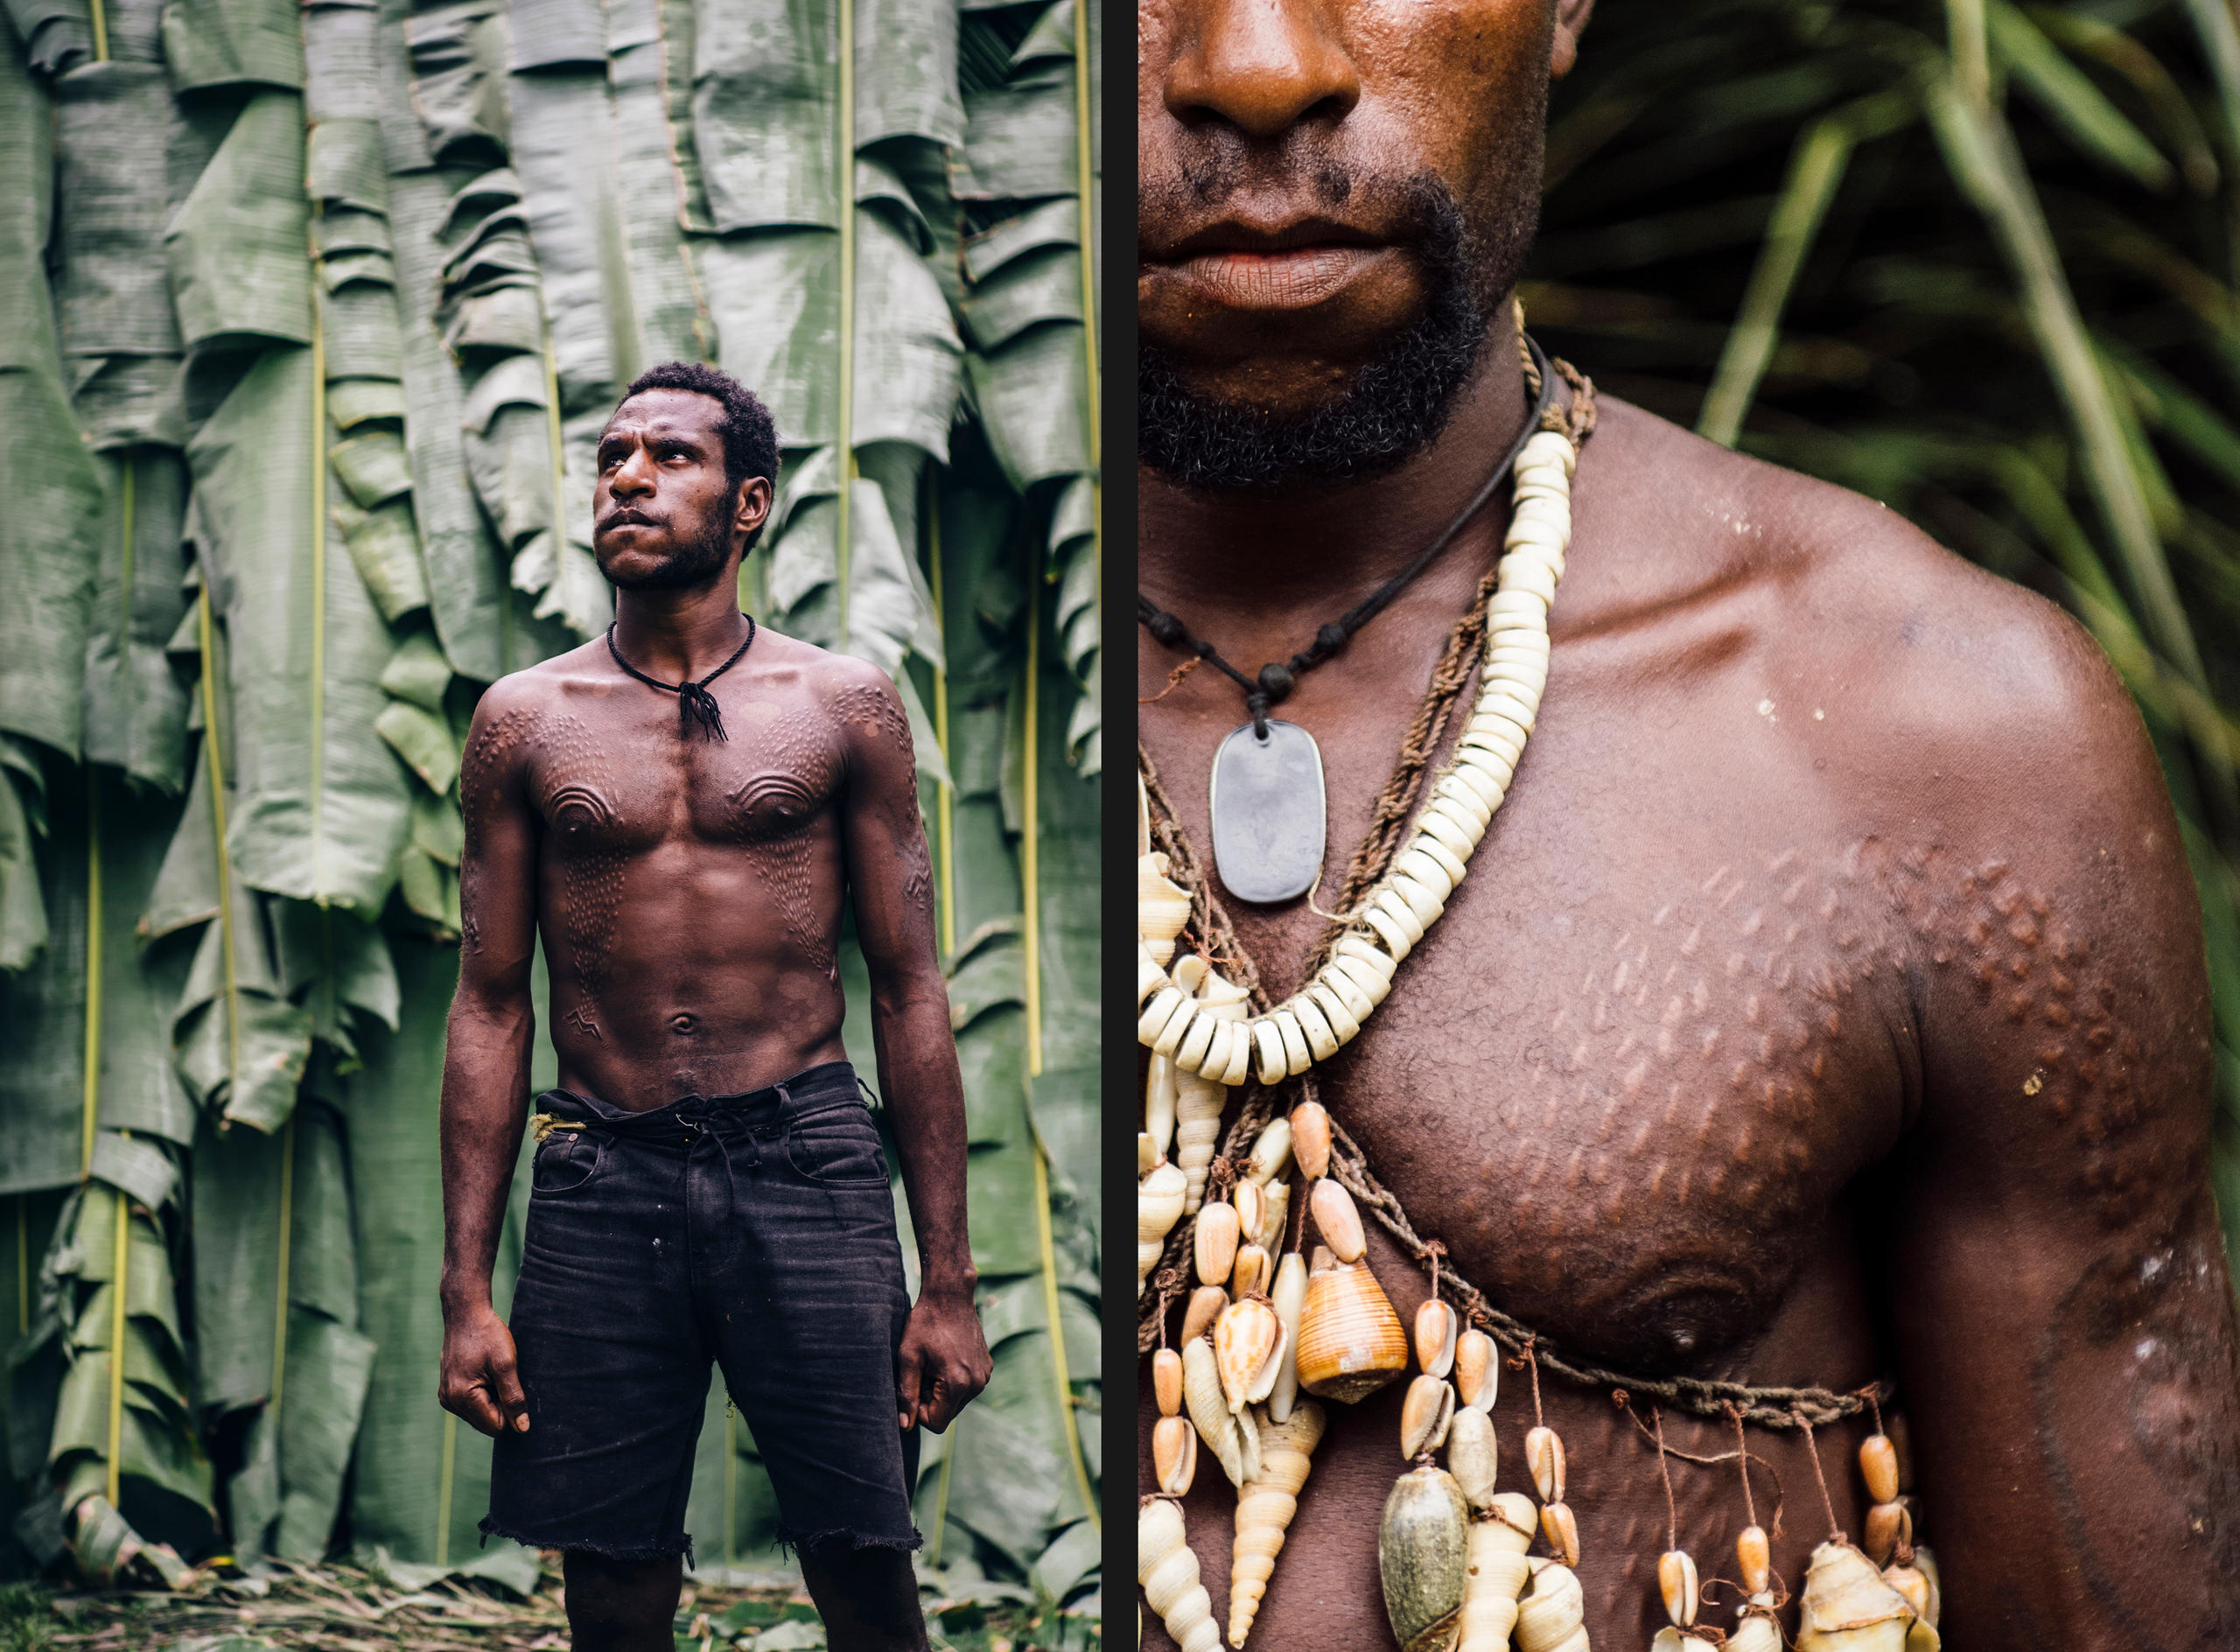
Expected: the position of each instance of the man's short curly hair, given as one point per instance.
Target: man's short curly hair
(750, 436)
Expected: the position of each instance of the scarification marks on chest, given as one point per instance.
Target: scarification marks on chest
(574, 793)
(771, 812)
(1655, 1111)
(1688, 1069)
(577, 797)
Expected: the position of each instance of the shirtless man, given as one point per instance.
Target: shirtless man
(708, 1180)
(1826, 1002)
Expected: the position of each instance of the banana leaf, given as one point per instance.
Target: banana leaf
(238, 243)
(421, 1492)
(113, 299)
(775, 302)
(321, 813)
(51, 479)
(99, 875)
(466, 588)
(239, 1045)
(666, 304)
(285, 1497)
(129, 1389)
(136, 708)
(33, 1538)
(54, 36)
(217, 43)
(562, 146)
(23, 907)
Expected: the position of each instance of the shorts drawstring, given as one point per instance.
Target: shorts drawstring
(699, 1125)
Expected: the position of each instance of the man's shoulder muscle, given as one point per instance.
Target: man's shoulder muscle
(1965, 730)
(506, 718)
(860, 699)
(1933, 671)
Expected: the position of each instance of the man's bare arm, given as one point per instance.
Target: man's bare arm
(486, 1059)
(2059, 1285)
(944, 1360)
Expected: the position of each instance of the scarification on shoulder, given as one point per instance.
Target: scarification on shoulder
(867, 706)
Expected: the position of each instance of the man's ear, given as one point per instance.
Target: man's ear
(754, 501)
(1571, 21)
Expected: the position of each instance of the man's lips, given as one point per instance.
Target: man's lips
(1294, 277)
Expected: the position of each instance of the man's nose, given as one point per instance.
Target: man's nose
(1261, 65)
(633, 478)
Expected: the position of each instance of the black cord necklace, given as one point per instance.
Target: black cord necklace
(694, 702)
(1274, 680)
(1266, 798)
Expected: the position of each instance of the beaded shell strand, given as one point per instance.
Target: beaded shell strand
(1314, 1023)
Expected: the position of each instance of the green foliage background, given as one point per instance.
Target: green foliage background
(312, 316)
(1980, 261)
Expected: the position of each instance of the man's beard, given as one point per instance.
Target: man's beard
(1398, 402)
(694, 562)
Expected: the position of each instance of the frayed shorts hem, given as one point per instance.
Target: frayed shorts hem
(792, 1542)
(660, 1550)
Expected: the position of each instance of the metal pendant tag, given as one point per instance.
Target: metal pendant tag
(1270, 814)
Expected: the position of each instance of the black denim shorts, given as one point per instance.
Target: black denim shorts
(757, 1230)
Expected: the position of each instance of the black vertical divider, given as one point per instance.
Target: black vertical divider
(1117, 354)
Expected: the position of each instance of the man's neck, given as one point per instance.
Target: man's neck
(681, 634)
(1326, 546)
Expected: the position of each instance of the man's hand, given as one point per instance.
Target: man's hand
(479, 1381)
(943, 1362)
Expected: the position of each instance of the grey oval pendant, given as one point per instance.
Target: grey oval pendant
(1269, 813)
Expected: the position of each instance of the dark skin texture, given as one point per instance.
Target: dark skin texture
(1828, 998)
(689, 896)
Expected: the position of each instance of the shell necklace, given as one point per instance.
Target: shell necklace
(1268, 810)
(1260, 1336)
(1209, 1041)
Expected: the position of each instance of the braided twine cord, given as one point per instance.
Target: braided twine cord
(1210, 926)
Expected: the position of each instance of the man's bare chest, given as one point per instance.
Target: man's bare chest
(614, 781)
(1628, 1075)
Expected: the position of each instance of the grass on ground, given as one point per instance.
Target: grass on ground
(342, 1609)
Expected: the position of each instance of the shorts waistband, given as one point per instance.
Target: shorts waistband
(812, 1089)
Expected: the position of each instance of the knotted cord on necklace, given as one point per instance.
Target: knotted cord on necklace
(694, 702)
(1276, 680)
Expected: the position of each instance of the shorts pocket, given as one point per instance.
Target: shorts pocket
(838, 1147)
(566, 1160)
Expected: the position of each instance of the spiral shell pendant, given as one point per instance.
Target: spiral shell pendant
(1264, 1506)
(1168, 1571)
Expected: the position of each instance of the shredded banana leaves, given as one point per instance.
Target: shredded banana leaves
(323, 308)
